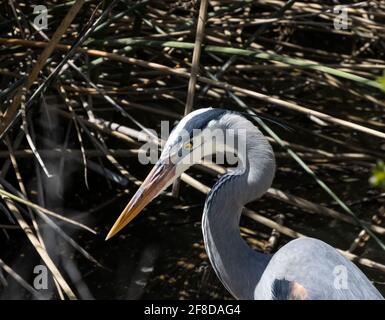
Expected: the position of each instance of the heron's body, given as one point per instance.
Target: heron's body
(319, 269)
(304, 268)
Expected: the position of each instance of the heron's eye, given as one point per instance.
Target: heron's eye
(188, 146)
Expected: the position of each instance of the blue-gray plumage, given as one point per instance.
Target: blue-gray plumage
(303, 269)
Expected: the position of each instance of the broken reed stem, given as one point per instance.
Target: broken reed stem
(363, 237)
(273, 241)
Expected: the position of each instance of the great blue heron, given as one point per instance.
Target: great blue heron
(305, 268)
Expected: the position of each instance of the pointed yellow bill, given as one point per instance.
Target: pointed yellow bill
(158, 178)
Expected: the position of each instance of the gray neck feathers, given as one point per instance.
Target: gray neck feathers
(235, 263)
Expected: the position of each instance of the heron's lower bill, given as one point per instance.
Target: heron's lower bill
(154, 183)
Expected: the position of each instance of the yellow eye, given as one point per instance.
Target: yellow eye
(188, 146)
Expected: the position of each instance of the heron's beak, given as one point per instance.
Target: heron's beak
(157, 180)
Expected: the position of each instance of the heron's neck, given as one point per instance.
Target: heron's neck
(236, 264)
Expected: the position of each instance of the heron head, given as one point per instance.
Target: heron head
(186, 145)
